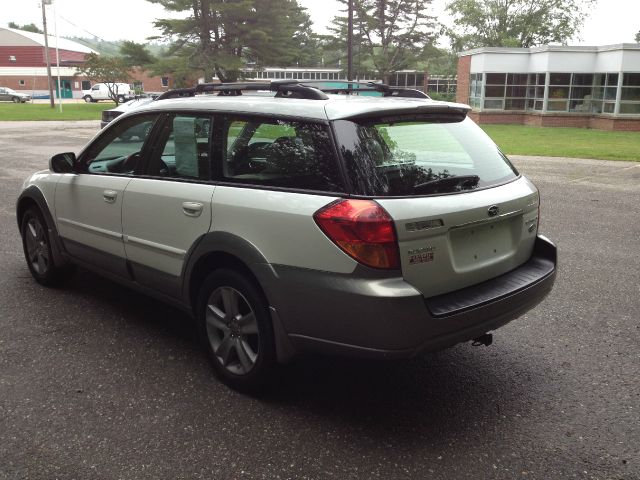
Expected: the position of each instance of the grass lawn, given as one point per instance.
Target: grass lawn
(566, 142)
(41, 111)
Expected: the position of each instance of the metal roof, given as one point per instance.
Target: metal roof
(10, 37)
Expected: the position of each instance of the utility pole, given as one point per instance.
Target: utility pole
(350, 42)
(46, 50)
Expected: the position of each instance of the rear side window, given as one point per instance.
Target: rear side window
(185, 147)
(416, 156)
(278, 153)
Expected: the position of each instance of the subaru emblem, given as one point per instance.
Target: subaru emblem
(493, 210)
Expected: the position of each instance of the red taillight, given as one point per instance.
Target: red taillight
(363, 229)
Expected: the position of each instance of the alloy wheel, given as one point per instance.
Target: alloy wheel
(37, 248)
(232, 329)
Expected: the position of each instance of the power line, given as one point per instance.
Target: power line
(84, 30)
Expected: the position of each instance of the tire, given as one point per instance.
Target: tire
(36, 244)
(88, 99)
(15, 99)
(235, 328)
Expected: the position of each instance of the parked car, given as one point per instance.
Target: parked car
(300, 222)
(100, 91)
(10, 95)
(113, 113)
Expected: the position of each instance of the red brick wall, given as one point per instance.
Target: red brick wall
(464, 71)
(551, 120)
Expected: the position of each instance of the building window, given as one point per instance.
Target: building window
(164, 81)
(21, 83)
(535, 91)
(494, 91)
(559, 86)
(630, 95)
(604, 94)
(12, 58)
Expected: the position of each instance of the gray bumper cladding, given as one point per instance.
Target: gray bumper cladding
(376, 317)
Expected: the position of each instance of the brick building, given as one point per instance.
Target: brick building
(588, 87)
(23, 66)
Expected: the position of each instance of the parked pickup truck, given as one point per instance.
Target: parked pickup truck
(100, 91)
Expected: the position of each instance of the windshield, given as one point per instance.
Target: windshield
(9, 90)
(419, 156)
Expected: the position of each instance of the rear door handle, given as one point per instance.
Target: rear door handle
(192, 209)
(110, 196)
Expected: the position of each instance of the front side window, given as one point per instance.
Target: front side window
(119, 149)
(419, 156)
(279, 153)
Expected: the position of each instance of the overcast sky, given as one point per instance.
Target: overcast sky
(611, 22)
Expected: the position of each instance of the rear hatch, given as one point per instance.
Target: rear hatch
(462, 213)
(450, 242)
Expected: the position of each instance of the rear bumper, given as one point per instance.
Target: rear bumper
(386, 317)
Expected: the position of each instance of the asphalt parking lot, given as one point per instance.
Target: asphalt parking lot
(98, 382)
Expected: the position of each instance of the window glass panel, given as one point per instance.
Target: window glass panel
(495, 78)
(560, 79)
(409, 157)
(517, 79)
(516, 91)
(557, 106)
(539, 104)
(631, 80)
(559, 92)
(582, 79)
(514, 104)
(608, 107)
(119, 149)
(493, 104)
(186, 148)
(279, 153)
(630, 94)
(630, 108)
(612, 79)
(600, 79)
(610, 93)
(411, 80)
(494, 91)
(581, 92)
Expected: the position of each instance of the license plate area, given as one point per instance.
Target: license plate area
(479, 245)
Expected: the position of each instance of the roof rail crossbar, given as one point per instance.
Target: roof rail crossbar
(177, 93)
(312, 90)
(386, 90)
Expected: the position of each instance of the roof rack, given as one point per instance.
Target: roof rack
(286, 88)
(309, 89)
(352, 88)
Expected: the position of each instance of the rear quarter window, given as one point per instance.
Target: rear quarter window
(279, 153)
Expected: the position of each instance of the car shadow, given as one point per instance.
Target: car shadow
(450, 392)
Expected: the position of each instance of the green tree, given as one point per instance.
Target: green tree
(638, 37)
(515, 23)
(29, 27)
(391, 33)
(108, 70)
(219, 37)
(136, 54)
(335, 44)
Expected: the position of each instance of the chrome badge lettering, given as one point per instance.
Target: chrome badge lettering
(424, 225)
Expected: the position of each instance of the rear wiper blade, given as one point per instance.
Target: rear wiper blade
(454, 183)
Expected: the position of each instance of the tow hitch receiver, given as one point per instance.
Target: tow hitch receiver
(486, 340)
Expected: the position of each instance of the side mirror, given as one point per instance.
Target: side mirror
(63, 163)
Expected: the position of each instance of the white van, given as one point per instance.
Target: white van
(100, 91)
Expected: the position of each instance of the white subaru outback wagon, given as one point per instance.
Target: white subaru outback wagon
(298, 221)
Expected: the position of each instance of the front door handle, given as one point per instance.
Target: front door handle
(192, 209)
(109, 196)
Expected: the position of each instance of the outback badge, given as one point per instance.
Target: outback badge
(493, 210)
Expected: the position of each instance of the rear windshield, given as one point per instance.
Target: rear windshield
(417, 156)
